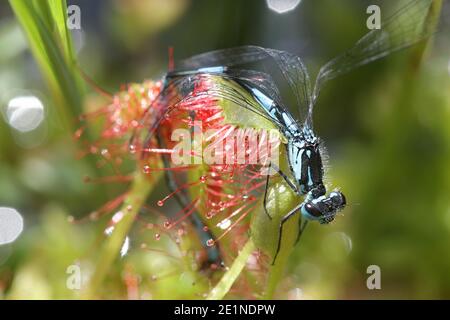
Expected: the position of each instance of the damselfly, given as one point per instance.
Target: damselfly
(303, 147)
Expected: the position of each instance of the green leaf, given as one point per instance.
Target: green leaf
(44, 23)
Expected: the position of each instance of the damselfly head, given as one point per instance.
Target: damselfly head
(324, 209)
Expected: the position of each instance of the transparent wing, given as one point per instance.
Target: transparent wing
(258, 79)
(261, 80)
(290, 65)
(229, 93)
(404, 28)
(225, 57)
(297, 76)
(183, 90)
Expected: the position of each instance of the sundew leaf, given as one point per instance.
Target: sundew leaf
(264, 232)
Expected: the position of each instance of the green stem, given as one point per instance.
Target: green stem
(275, 273)
(228, 279)
(140, 189)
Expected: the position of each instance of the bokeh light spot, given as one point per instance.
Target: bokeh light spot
(25, 113)
(282, 6)
(11, 225)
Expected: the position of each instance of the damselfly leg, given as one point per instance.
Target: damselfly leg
(302, 223)
(284, 176)
(322, 209)
(286, 218)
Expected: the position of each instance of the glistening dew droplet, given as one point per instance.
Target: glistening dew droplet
(125, 247)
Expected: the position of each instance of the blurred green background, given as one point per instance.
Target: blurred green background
(386, 127)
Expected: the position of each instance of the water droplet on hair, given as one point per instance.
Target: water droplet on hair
(78, 133)
(157, 237)
(147, 169)
(125, 247)
(224, 224)
(210, 242)
(160, 203)
(105, 153)
(117, 217)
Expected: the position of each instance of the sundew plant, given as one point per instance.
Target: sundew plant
(139, 162)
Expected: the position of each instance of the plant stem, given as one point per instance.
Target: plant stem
(228, 279)
(275, 273)
(139, 191)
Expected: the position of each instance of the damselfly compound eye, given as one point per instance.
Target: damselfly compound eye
(338, 199)
(312, 210)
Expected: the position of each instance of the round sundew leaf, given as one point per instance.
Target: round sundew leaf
(280, 200)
